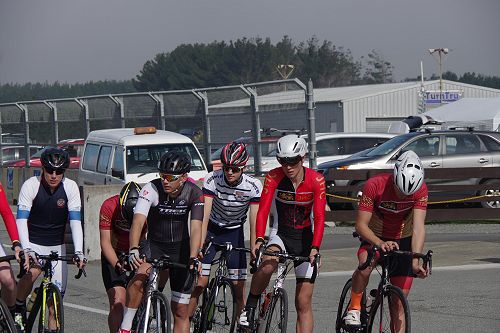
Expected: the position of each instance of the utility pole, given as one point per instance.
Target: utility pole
(440, 52)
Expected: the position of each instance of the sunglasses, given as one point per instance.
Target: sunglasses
(233, 169)
(169, 178)
(51, 171)
(289, 160)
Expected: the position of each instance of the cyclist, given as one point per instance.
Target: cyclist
(391, 215)
(7, 279)
(46, 203)
(229, 195)
(166, 202)
(294, 192)
(115, 219)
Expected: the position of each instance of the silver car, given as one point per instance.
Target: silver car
(436, 149)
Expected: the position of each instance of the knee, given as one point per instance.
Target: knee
(302, 304)
(268, 267)
(117, 306)
(180, 311)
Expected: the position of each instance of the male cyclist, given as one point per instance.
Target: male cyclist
(115, 219)
(391, 215)
(166, 202)
(229, 195)
(7, 280)
(297, 197)
(46, 204)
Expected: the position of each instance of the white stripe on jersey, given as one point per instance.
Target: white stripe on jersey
(230, 204)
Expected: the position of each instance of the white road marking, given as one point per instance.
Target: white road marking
(86, 308)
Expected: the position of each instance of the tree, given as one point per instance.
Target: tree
(378, 69)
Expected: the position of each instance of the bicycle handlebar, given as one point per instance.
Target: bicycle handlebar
(54, 256)
(426, 258)
(164, 262)
(8, 258)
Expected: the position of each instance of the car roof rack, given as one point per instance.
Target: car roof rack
(466, 128)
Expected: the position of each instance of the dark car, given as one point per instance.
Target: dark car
(436, 149)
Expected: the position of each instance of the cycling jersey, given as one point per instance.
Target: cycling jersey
(167, 216)
(47, 213)
(7, 216)
(291, 208)
(392, 216)
(230, 203)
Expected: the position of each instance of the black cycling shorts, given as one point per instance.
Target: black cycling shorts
(404, 263)
(110, 278)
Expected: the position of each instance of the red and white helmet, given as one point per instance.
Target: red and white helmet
(234, 154)
(408, 173)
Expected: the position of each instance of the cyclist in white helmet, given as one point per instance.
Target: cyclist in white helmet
(391, 215)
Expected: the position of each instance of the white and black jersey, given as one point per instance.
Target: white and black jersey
(230, 203)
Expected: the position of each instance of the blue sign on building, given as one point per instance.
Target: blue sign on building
(441, 97)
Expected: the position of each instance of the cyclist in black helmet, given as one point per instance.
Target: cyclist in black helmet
(166, 202)
(46, 204)
(115, 219)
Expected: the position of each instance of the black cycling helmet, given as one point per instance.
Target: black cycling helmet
(174, 162)
(55, 159)
(128, 198)
(234, 154)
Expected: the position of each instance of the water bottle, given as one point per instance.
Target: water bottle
(31, 300)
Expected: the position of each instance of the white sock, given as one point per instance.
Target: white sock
(128, 318)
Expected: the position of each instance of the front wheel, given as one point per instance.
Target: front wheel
(390, 312)
(157, 319)
(6, 322)
(344, 302)
(277, 315)
(219, 313)
(50, 313)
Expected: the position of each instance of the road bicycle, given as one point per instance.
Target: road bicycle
(153, 315)
(272, 309)
(7, 324)
(376, 315)
(217, 312)
(48, 304)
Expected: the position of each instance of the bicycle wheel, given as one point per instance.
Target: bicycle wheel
(195, 321)
(50, 314)
(158, 319)
(277, 315)
(219, 313)
(345, 300)
(393, 296)
(7, 324)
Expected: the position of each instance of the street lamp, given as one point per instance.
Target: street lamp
(440, 52)
(285, 70)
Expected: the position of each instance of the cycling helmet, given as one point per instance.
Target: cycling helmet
(128, 198)
(291, 146)
(175, 162)
(234, 154)
(408, 173)
(55, 159)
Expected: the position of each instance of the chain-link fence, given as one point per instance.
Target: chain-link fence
(210, 116)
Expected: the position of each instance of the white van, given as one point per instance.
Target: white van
(116, 156)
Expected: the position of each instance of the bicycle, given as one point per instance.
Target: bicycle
(217, 312)
(272, 315)
(49, 300)
(373, 316)
(153, 315)
(7, 323)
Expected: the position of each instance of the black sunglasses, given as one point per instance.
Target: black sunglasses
(289, 160)
(234, 169)
(57, 171)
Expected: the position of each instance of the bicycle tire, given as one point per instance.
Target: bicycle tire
(345, 300)
(391, 293)
(215, 314)
(195, 321)
(36, 310)
(279, 323)
(7, 324)
(159, 305)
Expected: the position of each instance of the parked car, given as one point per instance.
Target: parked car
(437, 149)
(11, 154)
(74, 147)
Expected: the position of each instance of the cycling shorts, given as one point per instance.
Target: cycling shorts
(59, 268)
(400, 275)
(179, 253)
(110, 277)
(297, 242)
(237, 263)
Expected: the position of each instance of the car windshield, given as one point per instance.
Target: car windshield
(388, 147)
(144, 159)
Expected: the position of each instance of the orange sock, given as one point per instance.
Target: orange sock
(355, 301)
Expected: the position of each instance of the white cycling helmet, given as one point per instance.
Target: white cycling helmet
(291, 146)
(408, 173)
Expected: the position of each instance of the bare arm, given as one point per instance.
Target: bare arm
(362, 221)
(195, 237)
(136, 230)
(107, 248)
(254, 208)
(418, 239)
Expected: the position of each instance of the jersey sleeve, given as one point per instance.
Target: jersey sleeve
(74, 200)
(209, 185)
(197, 204)
(7, 216)
(266, 201)
(147, 198)
(105, 216)
(367, 201)
(319, 189)
(421, 197)
(256, 191)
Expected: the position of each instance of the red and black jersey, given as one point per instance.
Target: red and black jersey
(392, 216)
(292, 207)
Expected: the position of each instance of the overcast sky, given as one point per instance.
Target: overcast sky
(82, 40)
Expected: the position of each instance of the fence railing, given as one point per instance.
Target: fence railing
(475, 187)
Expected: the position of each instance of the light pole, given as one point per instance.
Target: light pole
(440, 52)
(285, 70)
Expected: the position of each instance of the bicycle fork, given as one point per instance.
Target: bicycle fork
(45, 298)
(153, 285)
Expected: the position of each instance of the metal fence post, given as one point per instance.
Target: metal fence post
(158, 98)
(53, 107)
(85, 107)
(207, 147)
(24, 108)
(312, 125)
(254, 106)
(119, 104)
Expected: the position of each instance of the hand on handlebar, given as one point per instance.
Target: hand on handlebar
(419, 270)
(256, 248)
(313, 256)
(29, 255)
(79, 260)
(388, 246)
(134, 258)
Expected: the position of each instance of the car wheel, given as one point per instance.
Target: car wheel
(494, 190)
